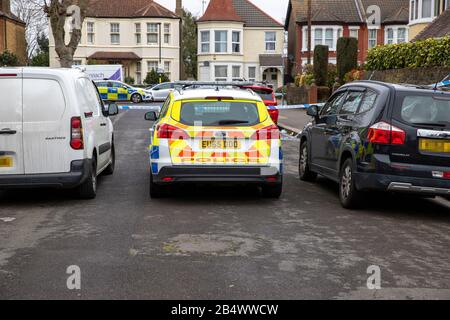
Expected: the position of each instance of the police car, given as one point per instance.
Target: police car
(214, 135)
(111, 90)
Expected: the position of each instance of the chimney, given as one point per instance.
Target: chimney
(5, 6)
(179, 8)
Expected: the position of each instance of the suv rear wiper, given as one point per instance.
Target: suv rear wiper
(223, 122)
(431, 124)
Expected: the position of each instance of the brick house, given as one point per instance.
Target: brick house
(332, 19)
(12, 32)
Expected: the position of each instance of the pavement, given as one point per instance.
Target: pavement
(293, 120)
(218, 242)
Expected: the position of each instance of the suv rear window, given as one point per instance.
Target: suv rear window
(425, 110)
(219, 113)
(264, 94)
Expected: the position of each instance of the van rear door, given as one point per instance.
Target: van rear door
(46, 128)
(11, 128)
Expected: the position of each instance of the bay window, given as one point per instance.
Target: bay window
(236, 73)
(424, 10)
(221, 41)
(221, 73)
(326, 35)
(396, 34)
(152, 33)
(236, 41)
(204, 41)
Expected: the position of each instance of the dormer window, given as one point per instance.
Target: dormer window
(423, 10)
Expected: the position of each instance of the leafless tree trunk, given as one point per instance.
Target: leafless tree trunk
(30, 12)
(58, 12)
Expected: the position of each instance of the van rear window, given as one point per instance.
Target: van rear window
(219, 113)
(425, 110)
(43, 100)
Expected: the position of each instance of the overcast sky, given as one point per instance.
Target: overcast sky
(276, 8)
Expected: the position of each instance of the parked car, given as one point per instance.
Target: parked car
(161, 91)
(268, 96)
(112, 90)
(54, 130)
(210, 136)
(377, 136)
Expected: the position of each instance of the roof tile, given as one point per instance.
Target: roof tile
(128, 9)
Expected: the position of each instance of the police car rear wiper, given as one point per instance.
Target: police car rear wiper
(223, 122)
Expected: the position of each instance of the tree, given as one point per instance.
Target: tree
(347, 56)
(8, 59)
(189, 44)
(321, 65)
(31, 12)
(42, 58)
(153, 78)
(58, 12)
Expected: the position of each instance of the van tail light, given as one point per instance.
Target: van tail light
(385, 133)
(274, 114)
(167, 131)
(76, 136)
(268, 133)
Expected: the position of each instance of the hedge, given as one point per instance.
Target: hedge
(321, 65)
(419, 54)
(347, 56)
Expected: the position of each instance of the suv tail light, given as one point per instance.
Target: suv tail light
(268, 133)
(167, 131)
(274, 114)
(385, 133)
(76, 134)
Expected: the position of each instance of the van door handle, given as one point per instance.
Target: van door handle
(8, 131)
(103, 124)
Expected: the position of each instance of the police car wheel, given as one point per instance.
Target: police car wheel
(272, 191)
(157, 191)
(136, 98)
(349, 195)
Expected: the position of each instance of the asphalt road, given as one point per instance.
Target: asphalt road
(218, 242)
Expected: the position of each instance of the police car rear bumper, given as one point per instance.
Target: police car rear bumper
(180, 174)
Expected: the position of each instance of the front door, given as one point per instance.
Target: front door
(11, 127)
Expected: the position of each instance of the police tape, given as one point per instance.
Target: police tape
(279, 107)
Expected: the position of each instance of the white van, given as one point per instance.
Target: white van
(54, 130)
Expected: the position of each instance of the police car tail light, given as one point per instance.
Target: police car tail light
(268, 133)
(167, 131)
(385, 133)
(76, 136)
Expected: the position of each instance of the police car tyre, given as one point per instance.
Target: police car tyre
(272, 191)
(110, 168)
(88, 189)
(303, 167)
(136, 98)
(350, 197)
(157, 191)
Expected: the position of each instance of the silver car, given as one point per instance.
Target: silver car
(161, 91)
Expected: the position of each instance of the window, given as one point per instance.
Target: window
(221, 42)
(90, 33)
(427, 8)
(152, 65)
(115, 33)
(152, 33)
(204, 39)
(322, 36)
(221, 73)
(354, 33)
(251, 73)
(351, 103)
(329, 39)
(424, 9)
(236, 42)
(372, 38)
(167, 68)
(318, 37)
(332, 106)
(76, 62)
(390, 36)
(166, 33)
(423, 109)
(368, 101)
(138, 72)
(396, 35)
(236, 73)
(271, 41)
(401, 35)
(138, 31)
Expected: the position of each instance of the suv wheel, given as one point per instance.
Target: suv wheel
(110, 169)
(157, 191)
(88, 190)
(350, 197)
(303, 167)
(136, 98)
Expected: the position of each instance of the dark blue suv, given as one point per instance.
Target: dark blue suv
(378, 136)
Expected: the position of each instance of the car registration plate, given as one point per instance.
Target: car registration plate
(434, 145)
(6, 162)
(220, 144)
